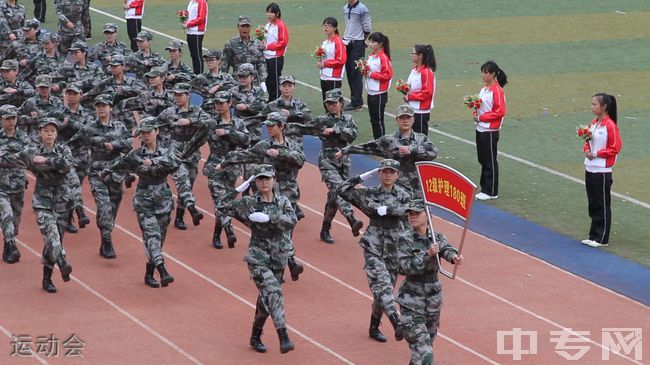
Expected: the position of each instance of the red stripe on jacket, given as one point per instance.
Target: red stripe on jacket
(340, 57)
(495, 116)
(283, 40)
(201, 17)
(425, 95)
(384, 75)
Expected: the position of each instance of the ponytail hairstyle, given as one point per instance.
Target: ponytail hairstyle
(493, 68)
(381, 39)
(428, 57)
(332, 22)
(609, 101)
(275, 9)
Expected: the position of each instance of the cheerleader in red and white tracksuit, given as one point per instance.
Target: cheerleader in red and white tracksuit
(422, 86)
(600, 156)
(488, 123)
(378, 77)
(275, 45)
(197, 21)
(332, 66)
(133, 12)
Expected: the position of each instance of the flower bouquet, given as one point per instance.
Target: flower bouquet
(260, 33)
(402, 86)
(182, 15)
(584, 133)
(318, 54)
(362, 66)
(473, 102)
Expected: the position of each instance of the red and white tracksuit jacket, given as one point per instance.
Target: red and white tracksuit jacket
(197, 19)
(493, 108)
(135, 10)
(422, 89)
(277, 39)
(606, 143)
(380, 74)
(335, 58)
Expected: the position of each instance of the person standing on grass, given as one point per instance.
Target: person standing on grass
(133, 12)
(244, 49)
(377, 80)
(275, 45)
(488, 119)
(332, 63)
(197, 22)
(358, 25)
(600, 156)
(422, 86)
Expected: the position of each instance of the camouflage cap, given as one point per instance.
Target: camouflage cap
(416, 205)
(287, 78)
(50, 37)
(74, 86)
(104, 99)
(9, 65)
(174, 45)
(388, 163)
(404, 110)
(132, 104)
(43, 81)
(48, 120)
(8, 111)
(333, 95)
(110, 28)
(222, 96)
(78, 46)
(31, 24)
(144, 36)
(147, 124)
(245, 69)
(182, 88)
(117, 59)
(244, 19)
(265, 170)
(155, 72)
(212, 53)
(274, 118)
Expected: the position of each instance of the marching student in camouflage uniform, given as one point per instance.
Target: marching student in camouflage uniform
(212, 80)
(87, 73)
(223, 134)
(49, 162)
(144, 59)
(107, 139)
(271, 218)
(47, 62)
(34, 108)
(6, 36)
(285, 158)
(71, 28)
(335, 130)
(152, 200)
(157, 97)
(25, 49)
(177, 71)
(385, 205)
(248, 101)
(105, 50)
(420, 296)
(12, 183)
(405, 146)
(244, 49)
(13, 91)
(14, 13)
(179, 124)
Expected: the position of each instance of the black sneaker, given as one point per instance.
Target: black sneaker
(352, 108)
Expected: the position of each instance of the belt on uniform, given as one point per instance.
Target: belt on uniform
(423, 278)
(102, 156)
(265, 234)
(147, 180)
(50, 182)
(385, 222)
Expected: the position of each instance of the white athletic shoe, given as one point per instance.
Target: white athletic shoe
(596, 244)
(586, 242)
(483, 196)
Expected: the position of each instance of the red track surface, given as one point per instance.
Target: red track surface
(205, 316)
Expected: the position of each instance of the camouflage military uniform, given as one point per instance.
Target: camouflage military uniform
(32, 111)
(42, 64)
(127, 88)
(237, 52)
(181, 72)
(70, 11)
(206, 81)
(154, 103)
(23, 89)
(299, 113)
(15, 15)
(420, 296)
(87, 75)
(5, 32)
(24, 50)
(141, 63)
(255, 101)
(103, 51)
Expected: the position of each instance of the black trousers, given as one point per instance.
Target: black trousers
(355, 50)
(599, 188)
(40, 6)
(274, 68)
(133, 27)
(421, 123)
(486, 150)
(327, 85)
(376, 107)
(195, 45)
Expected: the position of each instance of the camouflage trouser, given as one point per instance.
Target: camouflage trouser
(420, 331)
(184, 179)
(333, 177)
(154, 231)
(85, 18)
(411, 182)
(75, 188)
(270, 300)
(69, 36)
(219, 186)
(382, 277)
(11, 209)
(80, 162)
(52, 226)
(289, 188)
(108, 196)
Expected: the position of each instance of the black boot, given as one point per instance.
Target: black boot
(299, 213)
(47, 280)
(295, 268)
(165, 277)
(69, 227)
(285, 343)
(10, 253)
(196, 215)
(355, 225)
(397, 325)
(106, 249)
(374, 331)
(81, 217)
(325, 233)
(230, 235)
(178, 222)
(148, 276)
(216, 235)
(64, 267)
(256, 340)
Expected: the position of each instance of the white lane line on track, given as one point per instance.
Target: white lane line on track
(34, 355)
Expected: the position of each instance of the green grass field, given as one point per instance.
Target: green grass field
(556, 53)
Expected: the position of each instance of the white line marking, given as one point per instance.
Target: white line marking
(34, 355)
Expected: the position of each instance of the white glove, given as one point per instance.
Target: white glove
(241, 188)
(259, 217)
(263, 86)
(382, 210)
(367, 175)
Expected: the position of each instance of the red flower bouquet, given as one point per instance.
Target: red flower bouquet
(182, 15)
(318, 54)
(473, 102)
(584, 133)
(362, 66)
(402, 86)
(260, 33)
